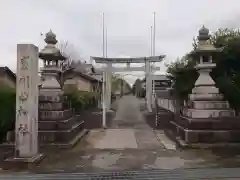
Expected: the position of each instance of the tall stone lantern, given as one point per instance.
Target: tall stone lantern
(208, 117)
(58, 124)
(205, 86)
(52, 59)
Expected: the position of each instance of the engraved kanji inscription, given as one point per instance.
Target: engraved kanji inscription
(24, 81)
(22, 112)
(23, 97)
(24, 62)
(22, 131)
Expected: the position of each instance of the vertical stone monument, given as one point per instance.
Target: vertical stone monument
(207, 118)
(26, 128)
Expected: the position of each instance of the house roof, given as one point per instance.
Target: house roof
(5, 69)
(88, 76)
(158, 77)
(87, 71)
(83, 67)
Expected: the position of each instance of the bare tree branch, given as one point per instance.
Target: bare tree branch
(68, 50)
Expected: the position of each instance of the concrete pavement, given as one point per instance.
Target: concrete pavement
(130, 144)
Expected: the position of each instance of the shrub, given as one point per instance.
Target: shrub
(230, 90)
(7, 110)
(81, 100)
(90, 98)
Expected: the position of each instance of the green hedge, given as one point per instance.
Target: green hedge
(7, 110)
(230, 90)
(82, 100)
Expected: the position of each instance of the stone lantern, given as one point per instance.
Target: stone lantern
(206, 101)
(52, 59)
(208, 117)
(58, 124)
(205, 86)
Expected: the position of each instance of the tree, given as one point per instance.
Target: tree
(72, 58)
(183, 74)
(68, 50)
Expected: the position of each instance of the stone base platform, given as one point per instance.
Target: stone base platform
(60, 136)
(66, 145)
(215, 130)
(55, 138)
(22, 163)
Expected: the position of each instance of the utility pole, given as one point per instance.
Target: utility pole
(106, 43)
(149, 79)
(103, 35)
(154, 33)
(151, 41)
(103, 77)
(154, 44)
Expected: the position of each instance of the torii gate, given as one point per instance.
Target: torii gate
(107, 76)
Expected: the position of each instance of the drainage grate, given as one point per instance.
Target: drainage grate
(178, 174)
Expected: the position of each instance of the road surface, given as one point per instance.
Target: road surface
(131, 146)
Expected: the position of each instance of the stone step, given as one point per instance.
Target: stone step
(206, 97)
(60, 136)
(207, 135)
(58, 124)
(208, 113)
(53, 115)
(52, 98)
(210, 105)
(51, 106)
(226, 123)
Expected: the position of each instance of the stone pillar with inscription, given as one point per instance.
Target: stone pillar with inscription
(26, 128)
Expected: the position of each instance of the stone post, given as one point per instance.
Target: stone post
(148, 86)
(26, 129)
(108, 85)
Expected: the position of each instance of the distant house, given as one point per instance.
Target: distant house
(82, 76)
(7, 77)
(161, 82)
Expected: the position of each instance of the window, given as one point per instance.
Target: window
(205, 59)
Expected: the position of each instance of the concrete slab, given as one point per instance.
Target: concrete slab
(147, 139)
(117, 139)
(165, 141)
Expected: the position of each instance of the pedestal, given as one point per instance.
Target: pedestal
(210, 130)
(22, 163)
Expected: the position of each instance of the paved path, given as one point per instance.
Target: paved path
(128, 114)
(130, 149)
(130, 144)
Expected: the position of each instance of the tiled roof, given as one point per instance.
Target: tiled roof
(5, 69)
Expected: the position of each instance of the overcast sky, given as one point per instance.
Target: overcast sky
(128, 25)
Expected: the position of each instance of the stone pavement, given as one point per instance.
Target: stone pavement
(130, 144)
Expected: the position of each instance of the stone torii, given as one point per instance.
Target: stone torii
(109, 69)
